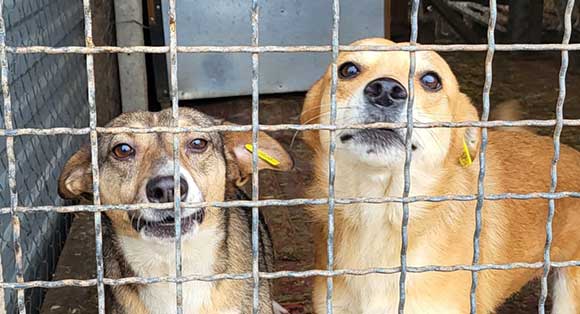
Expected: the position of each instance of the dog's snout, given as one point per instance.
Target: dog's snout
(162, 189)
(386, 92)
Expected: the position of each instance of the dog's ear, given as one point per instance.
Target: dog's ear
(471, 136)
(75, 181)
(235, 146)
(510, 110)
(311, 111)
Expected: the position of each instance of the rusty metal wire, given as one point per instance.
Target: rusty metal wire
(255, 21)
(408, 155)
(283, 274)
(176, 159)
(94, 154)
(483, 146)
(9, 132)
(287, 49)
(293, 127)
(554, 170)
(15, 221)
(295, 202)
(335, 41)
(2, 302)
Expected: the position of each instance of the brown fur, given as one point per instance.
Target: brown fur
(439, 233)
(215, 172)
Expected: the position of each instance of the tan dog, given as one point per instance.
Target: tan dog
(138, 168)
(372, 87)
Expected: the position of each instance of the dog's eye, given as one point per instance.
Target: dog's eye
(431, 81)
(123, 151)
(198, 145)
(348, 70)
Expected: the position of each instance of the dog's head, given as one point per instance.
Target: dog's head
(373, 87)
(139, 168)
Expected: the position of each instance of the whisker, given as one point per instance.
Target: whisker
(139, 218)
(320, 115)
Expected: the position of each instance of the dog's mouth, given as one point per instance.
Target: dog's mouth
(381, 138)
(165, 228)
(377, 139)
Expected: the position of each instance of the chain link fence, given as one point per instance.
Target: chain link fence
(46, 91)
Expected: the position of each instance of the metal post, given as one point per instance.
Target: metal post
(132, 68)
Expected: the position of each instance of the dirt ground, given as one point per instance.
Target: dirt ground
(531, 78)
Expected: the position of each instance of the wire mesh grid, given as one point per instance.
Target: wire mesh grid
(39, 99)
(10, 132)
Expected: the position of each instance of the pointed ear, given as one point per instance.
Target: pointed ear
(235, 145)
(75, 181)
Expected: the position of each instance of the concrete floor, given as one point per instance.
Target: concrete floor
(531, 78)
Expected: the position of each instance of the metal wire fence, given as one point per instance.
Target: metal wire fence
(43, 96)
(10, 132)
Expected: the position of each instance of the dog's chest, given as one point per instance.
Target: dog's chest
(161, 298)
(154, 259)
(378, 245)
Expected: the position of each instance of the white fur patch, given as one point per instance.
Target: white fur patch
(563, 300)
(149, 258)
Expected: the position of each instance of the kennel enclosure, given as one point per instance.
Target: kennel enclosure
(17, 211)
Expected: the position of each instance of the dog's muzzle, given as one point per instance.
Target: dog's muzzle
(165, 228)
(385, 93)
(161, 223)
(385, 100)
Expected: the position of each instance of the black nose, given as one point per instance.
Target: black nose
(161, 189)
(386, 92)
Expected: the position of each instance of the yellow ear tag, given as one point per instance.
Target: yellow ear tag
(465, 159)
(262, 155)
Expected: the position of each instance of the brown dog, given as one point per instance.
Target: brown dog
(138, 168)
(372, 87)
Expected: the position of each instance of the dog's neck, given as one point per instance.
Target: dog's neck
(355, 179)
(367, 222)
(157, 258)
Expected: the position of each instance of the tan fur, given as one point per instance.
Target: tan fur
(220, 244)
(440, 233)
(510, 110)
